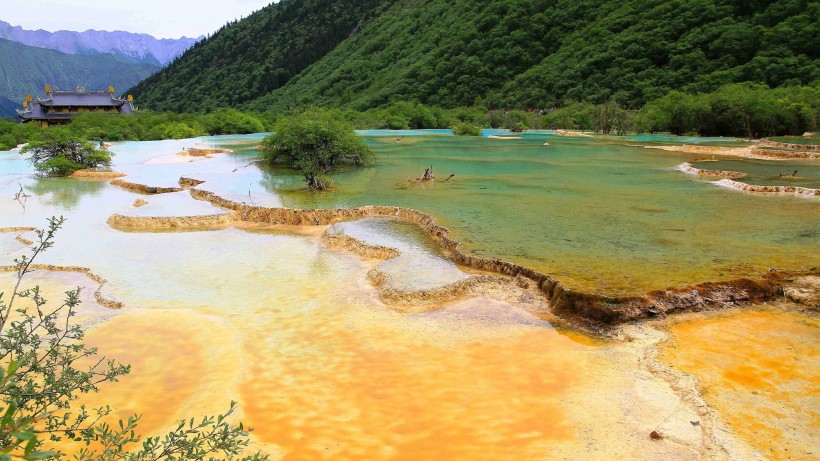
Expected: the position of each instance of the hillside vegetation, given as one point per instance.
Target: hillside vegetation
(252, 57)
(27, 70)
(500, 54)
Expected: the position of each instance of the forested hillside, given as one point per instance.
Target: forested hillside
(27, 70)
(7, 107)
(250, 58)
(500, 53)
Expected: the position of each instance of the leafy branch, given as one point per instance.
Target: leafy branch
(40, 378)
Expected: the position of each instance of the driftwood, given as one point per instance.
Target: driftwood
(21, 197)
(430, 176)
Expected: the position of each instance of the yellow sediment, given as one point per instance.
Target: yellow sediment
(383, 394)
(142, 188)
(172, 222)
(179, 359)
(760, 370)
(200, 152)
(688, 168)
(94, 174)
(572, 134)
(17, 229)
(748, 152)
(799, 191)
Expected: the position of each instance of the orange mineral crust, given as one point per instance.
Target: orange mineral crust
(760, 370)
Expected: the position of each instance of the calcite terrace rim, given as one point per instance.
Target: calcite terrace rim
(98, 296)
(729, 179)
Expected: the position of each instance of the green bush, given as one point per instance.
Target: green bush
(45, 366)
(231, 121)
(466, 129)
(516, 121)
(395, 122)
(315, 143)
(58, 152)
(180, 130)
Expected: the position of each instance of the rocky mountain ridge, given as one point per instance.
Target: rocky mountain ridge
(126, 46)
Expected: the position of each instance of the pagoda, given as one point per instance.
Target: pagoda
(59, 106)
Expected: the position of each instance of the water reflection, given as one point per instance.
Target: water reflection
(65, 193)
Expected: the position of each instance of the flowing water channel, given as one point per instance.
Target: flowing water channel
(322, 368)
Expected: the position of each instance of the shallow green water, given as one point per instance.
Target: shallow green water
(599, 215)
(420, 263)
(780, 173)
(322, 368)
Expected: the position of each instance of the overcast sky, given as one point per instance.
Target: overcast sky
(160, 18)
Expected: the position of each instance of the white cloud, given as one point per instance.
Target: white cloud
(160, 18)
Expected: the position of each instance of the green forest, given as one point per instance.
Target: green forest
(247, 59)
(501, 54)
(707, 67)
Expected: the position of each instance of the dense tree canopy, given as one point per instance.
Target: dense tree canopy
(144, 126)
(246, 59)
(500, 53)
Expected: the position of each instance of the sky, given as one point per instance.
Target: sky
(160, 18)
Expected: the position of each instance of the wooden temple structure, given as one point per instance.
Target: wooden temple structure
(59, 106)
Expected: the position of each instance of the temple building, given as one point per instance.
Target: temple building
(59, 106)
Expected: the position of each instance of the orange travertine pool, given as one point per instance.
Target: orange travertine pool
(348, 379)
(760, 370)
(322, 369)
(358, 382)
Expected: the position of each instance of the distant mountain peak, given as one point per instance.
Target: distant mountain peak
(126, 46)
